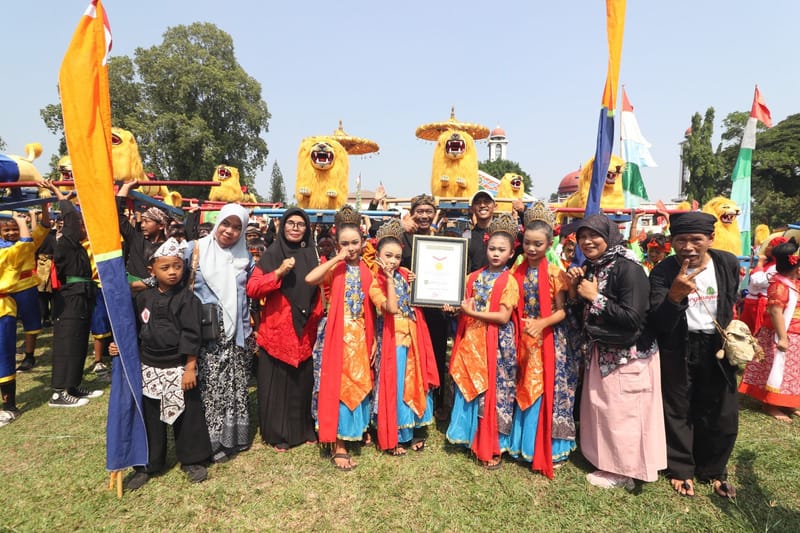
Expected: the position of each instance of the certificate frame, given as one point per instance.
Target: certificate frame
(440, 267)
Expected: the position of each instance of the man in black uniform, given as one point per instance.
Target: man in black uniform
(482, 206)
(688, 292)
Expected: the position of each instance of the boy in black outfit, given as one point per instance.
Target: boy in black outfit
(168, 316)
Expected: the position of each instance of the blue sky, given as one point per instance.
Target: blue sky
(537, 69)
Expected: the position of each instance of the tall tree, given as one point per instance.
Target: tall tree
(277, 190)
(499, 167)
(190, 105)
(705, 175)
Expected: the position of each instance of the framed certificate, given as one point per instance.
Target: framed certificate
(440, 265)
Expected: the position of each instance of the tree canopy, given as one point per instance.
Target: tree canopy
(775, 172)
(189, 104)
(499, 167)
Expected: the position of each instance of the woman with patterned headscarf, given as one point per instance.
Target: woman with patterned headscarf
(622, 419)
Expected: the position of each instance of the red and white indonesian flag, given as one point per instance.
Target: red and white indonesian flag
(636, 153)
(740, 191)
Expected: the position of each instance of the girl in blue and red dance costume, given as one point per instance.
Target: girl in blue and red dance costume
(483, 363)
(345, 375)
(543, 366)
(406, 365)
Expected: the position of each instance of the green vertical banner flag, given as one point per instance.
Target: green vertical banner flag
(740, 191)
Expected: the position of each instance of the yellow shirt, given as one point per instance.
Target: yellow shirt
(27, 272)
(11, 261)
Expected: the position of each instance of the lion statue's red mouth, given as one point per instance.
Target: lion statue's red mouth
(455, 146)
(322, 156)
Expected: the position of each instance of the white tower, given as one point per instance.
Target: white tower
(498, 144)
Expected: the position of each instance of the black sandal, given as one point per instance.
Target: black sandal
(343, 468)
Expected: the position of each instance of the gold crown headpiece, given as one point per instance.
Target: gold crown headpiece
(506, 223)
(347, 215)
(539, 211)
(390, 228)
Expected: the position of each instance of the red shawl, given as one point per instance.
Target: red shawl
(387, 387)
(486, 443)
(543, 447)
(330, 380)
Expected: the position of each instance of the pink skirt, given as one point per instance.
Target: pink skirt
(622, 419)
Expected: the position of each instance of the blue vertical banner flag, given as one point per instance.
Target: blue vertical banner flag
(615, 28)
(86, 109)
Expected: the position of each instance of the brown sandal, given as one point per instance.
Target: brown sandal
(724, 489)
(344, 468)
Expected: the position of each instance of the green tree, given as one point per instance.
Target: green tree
(705, 176)
(51, 116)
(2, 144)
(277, 190)
(499, 167)
(776, 174)
(190, 105)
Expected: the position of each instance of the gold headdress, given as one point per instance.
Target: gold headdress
(505, 223)
(390, 228)
(539, 211)
(347, 215)
(431, 132)
(354, 145)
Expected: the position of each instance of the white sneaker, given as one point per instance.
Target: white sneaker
(100, 368)
(65, 399)
(608, 480)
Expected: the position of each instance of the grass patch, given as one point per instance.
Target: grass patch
(53, 478)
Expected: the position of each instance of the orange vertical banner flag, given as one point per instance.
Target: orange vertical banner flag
(615, 29)
(86, 108)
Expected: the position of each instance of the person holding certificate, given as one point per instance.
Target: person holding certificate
(483, 363)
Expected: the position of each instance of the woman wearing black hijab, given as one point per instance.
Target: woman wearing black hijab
(291, 312)
(622, 419)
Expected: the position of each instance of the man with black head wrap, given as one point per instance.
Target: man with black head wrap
(688, 292)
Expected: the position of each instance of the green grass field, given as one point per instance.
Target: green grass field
(53, 479)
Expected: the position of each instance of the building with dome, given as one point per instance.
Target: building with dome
(568, 184)
(498, 144)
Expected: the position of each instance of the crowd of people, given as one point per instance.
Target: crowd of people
(615, 352)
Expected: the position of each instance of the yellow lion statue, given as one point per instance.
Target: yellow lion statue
(511, 186)
(455, 165)
(322, 173)
(229, 189)
(23, 170)
(127, 166)
(726, 230)
(612, 197)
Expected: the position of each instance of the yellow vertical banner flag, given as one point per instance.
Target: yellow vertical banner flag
(615, 28)
(86, 108)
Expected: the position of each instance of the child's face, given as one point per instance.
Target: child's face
(390, 255)
(167, 270)
(9, 230)
(151, 228)
(350, 240)
(534, 244)
(499, 251)
(655, 254)
(568, 250)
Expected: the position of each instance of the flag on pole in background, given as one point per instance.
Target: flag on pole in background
(740, 192)
(86, 109)
(635, 152)
(615, 27)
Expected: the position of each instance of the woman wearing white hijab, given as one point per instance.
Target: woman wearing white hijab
(223, 266)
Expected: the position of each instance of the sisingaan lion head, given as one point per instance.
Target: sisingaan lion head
(229, 189)
(125, 156)
(612, 197)
(726, 230)
(455, 165)
(322, 173)
(511, 186)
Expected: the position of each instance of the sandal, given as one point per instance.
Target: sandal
(397, 451)
(684, 488)
(418, 445)
(344, 468)
(724, 489)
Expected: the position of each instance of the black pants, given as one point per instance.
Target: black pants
(192, 444)
(701, 410)
(439, 327)
(71, 320)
